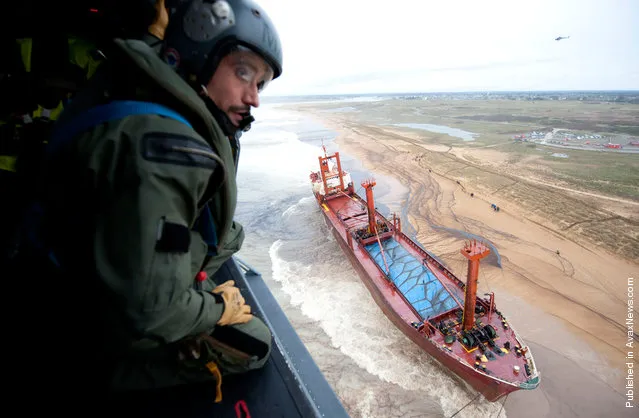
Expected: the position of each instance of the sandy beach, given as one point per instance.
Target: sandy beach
(565, 295)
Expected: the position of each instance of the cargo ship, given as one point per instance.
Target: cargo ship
(439, 312)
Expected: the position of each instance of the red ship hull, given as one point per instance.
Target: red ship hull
(492, 375)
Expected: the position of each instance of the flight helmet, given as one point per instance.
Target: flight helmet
(201, 32)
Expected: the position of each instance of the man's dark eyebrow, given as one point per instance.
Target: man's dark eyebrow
(241, 60)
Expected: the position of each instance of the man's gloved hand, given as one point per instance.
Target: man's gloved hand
(161, 21)
(235, 310)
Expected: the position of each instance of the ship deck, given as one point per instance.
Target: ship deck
(429, 295)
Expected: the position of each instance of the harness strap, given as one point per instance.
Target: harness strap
(215, 371)
(65, 130)
(205, 225)
(118, 109)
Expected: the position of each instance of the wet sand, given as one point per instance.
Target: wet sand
(570, 307)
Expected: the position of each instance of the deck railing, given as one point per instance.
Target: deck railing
(527, 386)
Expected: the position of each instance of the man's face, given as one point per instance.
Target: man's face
(236, 83)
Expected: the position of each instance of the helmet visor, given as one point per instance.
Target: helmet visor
(251, 68)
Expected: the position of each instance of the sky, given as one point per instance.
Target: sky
(402, 46)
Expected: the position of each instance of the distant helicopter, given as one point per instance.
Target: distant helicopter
(559, 38)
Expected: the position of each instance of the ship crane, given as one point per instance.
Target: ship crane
(372, 227)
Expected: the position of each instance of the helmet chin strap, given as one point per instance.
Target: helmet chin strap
(223, 120)
(231, 131)
(245, 123)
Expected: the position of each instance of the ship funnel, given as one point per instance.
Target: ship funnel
(473, 251)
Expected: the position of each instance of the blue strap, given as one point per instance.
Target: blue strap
(66, 130)
(98, 115)
(205, 225)
(32, 230)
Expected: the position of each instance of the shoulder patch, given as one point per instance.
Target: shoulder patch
(178, 149)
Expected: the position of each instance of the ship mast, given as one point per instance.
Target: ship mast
(473, 251)
(370, 201)
(372, 225)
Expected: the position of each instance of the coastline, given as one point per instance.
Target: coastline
(569, 305)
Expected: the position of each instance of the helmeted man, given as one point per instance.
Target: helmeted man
(139, 209)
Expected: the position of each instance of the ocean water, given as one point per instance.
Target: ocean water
(374, 369)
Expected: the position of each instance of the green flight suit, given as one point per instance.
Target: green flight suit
(148, 177)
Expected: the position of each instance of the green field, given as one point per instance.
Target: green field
(496, 121)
